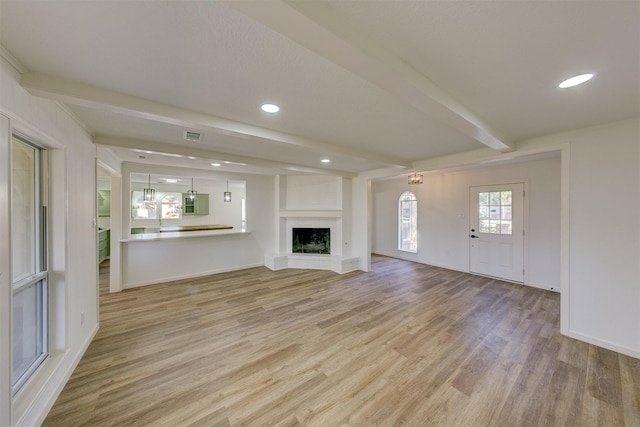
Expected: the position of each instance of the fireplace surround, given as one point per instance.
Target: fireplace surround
(311, 240)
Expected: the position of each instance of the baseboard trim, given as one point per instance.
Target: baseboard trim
(189, 276)
(604, 344)
(533, 285)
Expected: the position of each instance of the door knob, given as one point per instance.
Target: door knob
(474, 236)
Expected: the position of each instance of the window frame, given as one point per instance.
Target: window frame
(410, 198)
(39, 277)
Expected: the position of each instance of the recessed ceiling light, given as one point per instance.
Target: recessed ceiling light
(270, 108)
(215, 164)
(575, 81)
(326, 160)
(171, 180)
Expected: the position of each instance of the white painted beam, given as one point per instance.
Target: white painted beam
(76, 93)
(160, 147)
(312, 26)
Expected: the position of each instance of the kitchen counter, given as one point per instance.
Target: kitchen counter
(196, 228)
(181, 234)
(152, 258)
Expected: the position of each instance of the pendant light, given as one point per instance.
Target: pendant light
(416, 178)
(192, 195)
(149, 194)
(227, 194)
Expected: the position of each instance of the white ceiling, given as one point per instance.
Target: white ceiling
(367, 84)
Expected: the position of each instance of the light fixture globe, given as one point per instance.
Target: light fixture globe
(192, 195)
(149, 194)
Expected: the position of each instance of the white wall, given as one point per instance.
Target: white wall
(443, 217)
(73, 250)
(603, 293)
(312, 192)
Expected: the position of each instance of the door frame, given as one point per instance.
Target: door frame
(525, 224)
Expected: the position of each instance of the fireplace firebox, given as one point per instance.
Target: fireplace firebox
(311, 241)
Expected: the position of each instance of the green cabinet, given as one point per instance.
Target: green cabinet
(104, 244)
(104, 203)
(200, 206)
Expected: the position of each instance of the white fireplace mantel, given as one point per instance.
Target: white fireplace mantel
(325, 213)
(313, 201)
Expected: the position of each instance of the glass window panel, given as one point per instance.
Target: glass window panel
(171, 206)
(499, 212)
(23, 220)
(408, 222)
(28, 329)
(29, 303)
(142, 209)
(484, 212)
(505, 197)
(505, 227)
(506, 213)
(494, 212)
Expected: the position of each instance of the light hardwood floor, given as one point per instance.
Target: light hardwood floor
(406, 344)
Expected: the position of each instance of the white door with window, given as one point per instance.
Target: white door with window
(496, 238)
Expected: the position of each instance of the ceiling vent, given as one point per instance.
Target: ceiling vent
(192, 136)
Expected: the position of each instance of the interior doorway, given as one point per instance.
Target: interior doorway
(109, 218)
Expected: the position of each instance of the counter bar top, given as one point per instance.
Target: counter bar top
(177, 234)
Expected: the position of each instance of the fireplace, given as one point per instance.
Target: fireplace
(311, 241)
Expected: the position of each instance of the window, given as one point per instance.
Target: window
(170, 206)
(495, 212)
(408, 223)
(141, 208)
(29, 266)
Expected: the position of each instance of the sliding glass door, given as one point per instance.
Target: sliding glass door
(28, 261)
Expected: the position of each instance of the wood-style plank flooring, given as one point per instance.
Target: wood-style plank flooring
(406, 344)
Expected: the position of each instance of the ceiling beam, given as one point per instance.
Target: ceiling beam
(311, 25)
(84, 95)
(199, 153)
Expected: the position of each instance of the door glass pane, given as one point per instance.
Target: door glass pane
(506, 213)
(484, 199)
(495, 212)
(505, 198)
(494, 198)
(23, 219)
